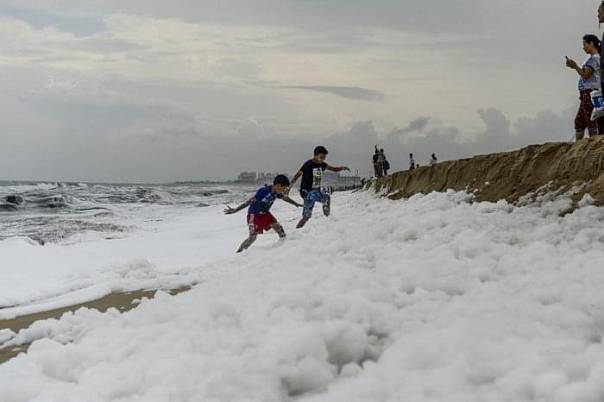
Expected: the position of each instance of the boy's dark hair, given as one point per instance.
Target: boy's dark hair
(321, 150)
(594, 40)
(281, 180)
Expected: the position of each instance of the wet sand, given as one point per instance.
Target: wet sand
(121, 301)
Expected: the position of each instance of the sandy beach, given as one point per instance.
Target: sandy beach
(121, 301)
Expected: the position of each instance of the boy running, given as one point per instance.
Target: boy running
(311, 187)
(259, 218)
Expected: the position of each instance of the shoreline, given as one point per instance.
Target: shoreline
(124, 302)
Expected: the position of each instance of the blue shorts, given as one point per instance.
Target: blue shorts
(311, 198)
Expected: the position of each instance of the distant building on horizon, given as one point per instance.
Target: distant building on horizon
(339, 181)
(331, 179)
(255, 177)
(247, 177)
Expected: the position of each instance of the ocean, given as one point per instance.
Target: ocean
(55, 212)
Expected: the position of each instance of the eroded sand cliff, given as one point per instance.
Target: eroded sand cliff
(576, 168)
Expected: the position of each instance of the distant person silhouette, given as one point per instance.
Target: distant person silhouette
(385, 163)
(381, 162)
(376, 166)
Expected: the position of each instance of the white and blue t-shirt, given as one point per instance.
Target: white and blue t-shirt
(265, 198)
(592, 82)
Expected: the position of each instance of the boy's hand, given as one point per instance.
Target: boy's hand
(229, 211)
(299, 205)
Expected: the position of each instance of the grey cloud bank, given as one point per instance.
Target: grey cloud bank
(156, 91)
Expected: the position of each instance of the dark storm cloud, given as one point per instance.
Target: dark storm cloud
(354, 93)
(418, 125)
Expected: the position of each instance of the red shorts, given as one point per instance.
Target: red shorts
(260, 223)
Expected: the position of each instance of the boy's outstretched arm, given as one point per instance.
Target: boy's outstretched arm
(290, 201)
(337, 168)
(295, 178)
(230, 211)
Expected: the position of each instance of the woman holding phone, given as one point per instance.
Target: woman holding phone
(589, 80)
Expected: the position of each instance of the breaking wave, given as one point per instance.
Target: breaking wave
(54, 212)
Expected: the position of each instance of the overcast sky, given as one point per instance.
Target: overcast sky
(156, 90)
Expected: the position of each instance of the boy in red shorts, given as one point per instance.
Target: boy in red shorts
(259, 218)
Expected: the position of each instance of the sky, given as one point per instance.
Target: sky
(158, 91)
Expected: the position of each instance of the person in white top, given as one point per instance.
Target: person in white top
(589, 80)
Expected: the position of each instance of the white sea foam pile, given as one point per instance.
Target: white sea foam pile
(431, 299)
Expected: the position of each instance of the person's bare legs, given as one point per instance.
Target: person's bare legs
(309, 204)
(247, 243)
(580, 135)
(327, 205)
(279, 229)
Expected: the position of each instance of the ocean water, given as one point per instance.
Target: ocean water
(60, 212)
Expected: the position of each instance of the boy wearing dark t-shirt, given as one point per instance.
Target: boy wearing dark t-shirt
(311, 186)
(259, 218)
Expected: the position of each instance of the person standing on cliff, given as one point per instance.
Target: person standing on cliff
(433, 160)
(601, 21)
(382, 163)
(411, 162)
(376, 166)
(385, 163)
(589, 81)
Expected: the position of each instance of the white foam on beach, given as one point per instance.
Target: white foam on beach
(430, 299)
(165, 251)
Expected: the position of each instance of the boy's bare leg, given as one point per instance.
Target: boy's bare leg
(302, 222)
(327, 205)
(247, 243)
(580, 135)
(279, 229)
